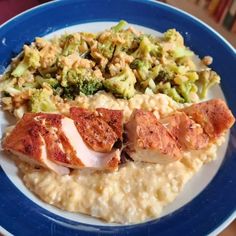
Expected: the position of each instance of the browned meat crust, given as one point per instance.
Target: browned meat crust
(214, 117)
(187, 133)
(145, 132)
(95, 131)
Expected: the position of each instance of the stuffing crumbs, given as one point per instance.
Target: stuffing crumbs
(137, 191)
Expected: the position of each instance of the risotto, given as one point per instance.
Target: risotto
(137, 191)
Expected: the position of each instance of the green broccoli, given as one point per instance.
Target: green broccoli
(51, 81)
(164, 76)
(142, 67)
(119, 40)
(122, 85)
(207, 79)
(185, 89)
(87, 87)
(70, 45)
(31, 59)
(78, 81)
(130, 42)
(8, 85)
(41, 101)
(173, 36)
(192, 76)
(165, 87)
(179, 52)
(146, 49)
(106, 48)
(178, 49)
(145, 72)
(172, 92)
(119, 26)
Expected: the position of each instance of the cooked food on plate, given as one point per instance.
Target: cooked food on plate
(111, 124)
(45, 138)
(120, 60)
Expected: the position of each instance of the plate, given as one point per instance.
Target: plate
(207, 203)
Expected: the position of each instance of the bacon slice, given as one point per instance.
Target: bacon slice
(214, 117)
(149, 140)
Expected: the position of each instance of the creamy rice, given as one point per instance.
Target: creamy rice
(137, 191)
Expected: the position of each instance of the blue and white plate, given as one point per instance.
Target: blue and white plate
(208, 202)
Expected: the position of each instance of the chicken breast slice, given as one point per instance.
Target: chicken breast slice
(69, 148)
(149, 141)
(27, 143)
(187, 133)
(88, 157)
(113, 118)
(214, 117)
(51, 124)
(94, 130)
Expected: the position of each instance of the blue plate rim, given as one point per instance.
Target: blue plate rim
(153, 1)
(233, 215)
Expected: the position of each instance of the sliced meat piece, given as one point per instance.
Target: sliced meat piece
(149, 140)
(113, 118)
(88, 157)
(187, 133)
(214, 117)
(95, 131)
(77, 154)
(26, 141)
(51, 124)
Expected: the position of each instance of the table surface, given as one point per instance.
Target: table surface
(10, 8)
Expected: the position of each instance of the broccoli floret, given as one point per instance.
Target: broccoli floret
(146, 49)
(145, 72)
(71, 45)
(163, 76)
(179, 52)
(119, 40)
(90, 87)
(152, 76)
(173, 36)
(80, 80)
(8, 85)
(122, 85)
(142, 67)
(41, 101)
(170, 91)
(206, 80)
(87, 87)
(192, 76)
(185, 89)
(51, 81)
(106, 48)
(119, 26)
(31, 59)
(178, 49)
(130, 42)
(136, 64)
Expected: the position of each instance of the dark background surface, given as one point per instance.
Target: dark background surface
(10, 8)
